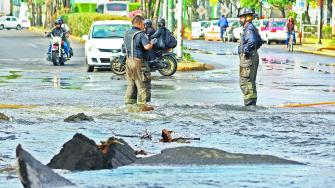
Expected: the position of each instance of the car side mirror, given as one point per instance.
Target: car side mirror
(85, 37)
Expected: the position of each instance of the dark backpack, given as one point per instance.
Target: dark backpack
(259, 41)
(171, 41)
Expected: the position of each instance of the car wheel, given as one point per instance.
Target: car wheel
(2, 27)
(18, 27)
(89, 68)
(268, 42)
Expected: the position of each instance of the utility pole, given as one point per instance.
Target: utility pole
(180, 28)
(320, 21)
(260, 9)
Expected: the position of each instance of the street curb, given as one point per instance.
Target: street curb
(330, 54)
(193, 66)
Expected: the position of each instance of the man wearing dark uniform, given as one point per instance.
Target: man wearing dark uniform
(249, 59)
(138, 73)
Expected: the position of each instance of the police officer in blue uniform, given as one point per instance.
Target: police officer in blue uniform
(138, 73)
(249, 59)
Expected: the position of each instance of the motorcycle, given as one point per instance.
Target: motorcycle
(166, 64)
(58, 55)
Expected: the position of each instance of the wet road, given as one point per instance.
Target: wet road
(195, 104)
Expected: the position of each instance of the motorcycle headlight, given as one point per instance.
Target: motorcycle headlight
(55, 40)
(92, 48)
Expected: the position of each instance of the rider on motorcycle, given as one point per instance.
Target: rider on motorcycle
(67, 29)
(149, 30)
(59, 31)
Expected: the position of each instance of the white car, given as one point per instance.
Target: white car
(213, 31)
(10, 22)
(257, 23)
(274, 31)
(25, 23)
(199, 28)
(103, 42)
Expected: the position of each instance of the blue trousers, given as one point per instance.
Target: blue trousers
(288, 36)
(66, 48)
(222, 31)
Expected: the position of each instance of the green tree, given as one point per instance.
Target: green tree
(250, 3)
(282, 5)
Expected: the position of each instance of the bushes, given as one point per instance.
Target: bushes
(134, 6)
(85, 7)
(327, 32)
(80, 23)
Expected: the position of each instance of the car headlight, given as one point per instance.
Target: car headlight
(92, 48)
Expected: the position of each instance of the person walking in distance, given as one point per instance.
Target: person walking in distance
(223, 24)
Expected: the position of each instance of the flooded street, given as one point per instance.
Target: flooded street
(193, 104)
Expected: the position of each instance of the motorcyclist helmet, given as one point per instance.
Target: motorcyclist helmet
(147, 23)
(161, 22)
(61, 19)
(58, 22)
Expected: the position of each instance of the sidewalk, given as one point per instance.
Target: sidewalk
(318, 49)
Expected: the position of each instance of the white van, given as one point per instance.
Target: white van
(118, 8)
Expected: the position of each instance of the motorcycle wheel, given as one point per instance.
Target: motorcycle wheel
(118, 66)
(171, 66)
(62, 60)
(55, 58)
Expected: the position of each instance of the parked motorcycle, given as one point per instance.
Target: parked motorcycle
(166, 64)
(58, 55)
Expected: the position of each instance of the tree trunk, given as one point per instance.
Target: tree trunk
(48, 16)
(307, 17)
(157, 5)
(282, 10)
(149, 9)
(144, 10)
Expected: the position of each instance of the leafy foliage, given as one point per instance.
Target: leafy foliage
(80, 23)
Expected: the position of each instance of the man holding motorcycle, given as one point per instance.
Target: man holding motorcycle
(59, 31)
(138, 73)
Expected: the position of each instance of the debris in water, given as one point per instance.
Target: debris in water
(79, 153)
(34, 174)
(3, 117)
(117, 152)
(141, 152)
(78, 118)
(167, 138)
(82, 153)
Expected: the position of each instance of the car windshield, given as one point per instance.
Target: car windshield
(205, 24)
(117, 7)
(110, 31)
(234, 23)
(256, 23)
(278, 24)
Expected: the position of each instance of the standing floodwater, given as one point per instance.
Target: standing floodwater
(193, 104)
